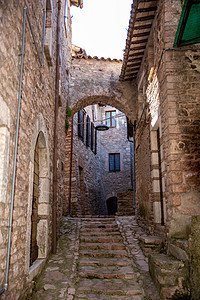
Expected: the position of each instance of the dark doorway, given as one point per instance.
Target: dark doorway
(112, 205)
(34, 216)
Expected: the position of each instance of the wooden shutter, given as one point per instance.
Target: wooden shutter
(81, 124)
(92, 137)
(95, 145)
(88, 131)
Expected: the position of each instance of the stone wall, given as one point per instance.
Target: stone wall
(177, 71)
(87, 190)
(36, 116)
(91, 181)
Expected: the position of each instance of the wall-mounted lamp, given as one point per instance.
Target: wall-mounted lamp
(101, 127)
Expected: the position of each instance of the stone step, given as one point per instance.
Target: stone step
(100, 225)
(104, 262)
(151, 244)
(109, 287)
(97, 217)
(93, 296)
(100, 233)
(99, 230)
(102, 246)
(179, 249)
(103, 253)
(124, 272)
(100, 239)
(168, 274)
(98, 220)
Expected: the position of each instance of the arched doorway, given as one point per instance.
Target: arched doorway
(34, 216)
(112, 205)
(40, 202)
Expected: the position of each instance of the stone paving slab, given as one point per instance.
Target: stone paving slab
(104, 262)
(104, 246)
(100, 253)
(109, 286)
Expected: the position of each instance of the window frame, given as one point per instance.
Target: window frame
(115, 162)
(109, 120)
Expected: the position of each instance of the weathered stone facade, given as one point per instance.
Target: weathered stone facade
(36, 124)
(115, 141)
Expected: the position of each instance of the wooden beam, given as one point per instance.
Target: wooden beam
(145, 18)
(146, 9)
(135, 59)
(138, 48)
(139, 42)
(141, 34)
(140, 27)
(133, 65)
(136, 54)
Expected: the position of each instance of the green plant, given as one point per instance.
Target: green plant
(68, 115)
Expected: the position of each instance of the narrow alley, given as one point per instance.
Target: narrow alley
(99, 153)
(97, 258)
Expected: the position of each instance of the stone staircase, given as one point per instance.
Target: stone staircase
(105, 271)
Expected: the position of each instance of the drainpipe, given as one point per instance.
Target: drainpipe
(70, 170)
(15, 156)
(55, 152)
(134, 179)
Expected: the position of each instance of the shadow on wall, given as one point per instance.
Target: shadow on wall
(112, 205)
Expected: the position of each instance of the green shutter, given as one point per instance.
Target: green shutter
(189, 25)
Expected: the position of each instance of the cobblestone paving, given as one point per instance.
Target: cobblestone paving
(97, 258)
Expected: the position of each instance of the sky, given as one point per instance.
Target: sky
(100, 27)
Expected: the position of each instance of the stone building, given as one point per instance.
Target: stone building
(156, 87)
(162, 60)
(101, 162)
(35, 57)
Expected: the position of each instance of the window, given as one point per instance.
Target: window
(114, 162)
(48, 33)
(88, 131)
(81, 124)
(66, 16)
(111, 118)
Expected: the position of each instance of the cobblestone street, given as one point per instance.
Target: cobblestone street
(97, 258)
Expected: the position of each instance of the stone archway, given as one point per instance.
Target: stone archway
(97, 81)
(38, 212)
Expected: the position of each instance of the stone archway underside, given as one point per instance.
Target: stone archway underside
(97, 81)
